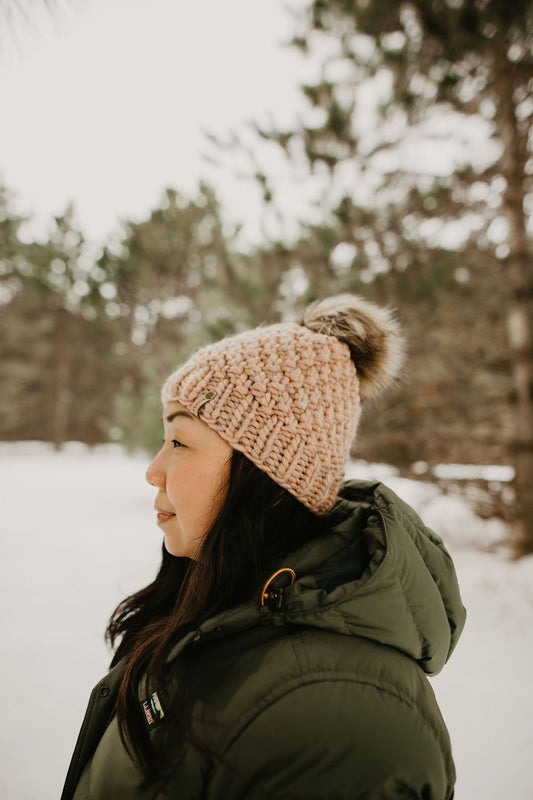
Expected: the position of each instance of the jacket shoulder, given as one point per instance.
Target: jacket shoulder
(334, 736)
(311, 699)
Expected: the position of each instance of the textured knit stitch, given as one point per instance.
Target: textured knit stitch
(283, 395)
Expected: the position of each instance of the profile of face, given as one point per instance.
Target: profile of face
(191, 472)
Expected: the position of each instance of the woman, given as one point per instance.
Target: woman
(281, 650)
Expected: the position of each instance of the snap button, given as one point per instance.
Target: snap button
(104, 691)
(209, 395)
(196, 637)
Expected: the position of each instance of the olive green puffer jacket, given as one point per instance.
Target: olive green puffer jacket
(317, 694)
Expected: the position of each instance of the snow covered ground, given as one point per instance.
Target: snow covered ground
(78, 533)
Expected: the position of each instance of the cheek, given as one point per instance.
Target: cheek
(219, 485)
(194, 489)
(183, 485)
(206, 492)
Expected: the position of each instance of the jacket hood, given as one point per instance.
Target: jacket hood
(378, 573)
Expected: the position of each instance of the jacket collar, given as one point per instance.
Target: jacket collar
(378, 573)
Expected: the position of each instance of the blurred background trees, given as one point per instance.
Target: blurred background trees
(417, 137)
(413, 158)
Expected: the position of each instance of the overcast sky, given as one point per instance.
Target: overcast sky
(106, 106)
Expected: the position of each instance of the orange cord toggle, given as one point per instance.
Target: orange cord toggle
(265, 593)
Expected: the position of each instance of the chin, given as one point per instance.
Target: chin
(173, 549)
(176, 550)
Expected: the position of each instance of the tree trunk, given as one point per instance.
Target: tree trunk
(518, 273)
(62, 380)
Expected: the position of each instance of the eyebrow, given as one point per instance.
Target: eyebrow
(180, 414)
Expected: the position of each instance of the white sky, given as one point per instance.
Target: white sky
(106, 106)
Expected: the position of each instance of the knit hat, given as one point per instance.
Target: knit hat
(289, 395)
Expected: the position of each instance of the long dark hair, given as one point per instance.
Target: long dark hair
(258, 523)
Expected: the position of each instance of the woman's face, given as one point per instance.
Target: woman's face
(191, 472)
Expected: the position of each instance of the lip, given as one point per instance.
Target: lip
(163, 516)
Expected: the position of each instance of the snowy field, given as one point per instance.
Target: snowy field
(78, 533)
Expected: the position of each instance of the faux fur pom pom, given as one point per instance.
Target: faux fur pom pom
(371, 332)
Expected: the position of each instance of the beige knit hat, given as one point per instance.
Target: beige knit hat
(288, 395)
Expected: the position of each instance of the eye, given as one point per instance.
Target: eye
(175, 444)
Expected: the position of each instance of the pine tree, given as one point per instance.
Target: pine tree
(422, 70)
(56, 351)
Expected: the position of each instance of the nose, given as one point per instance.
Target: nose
(155, 474)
